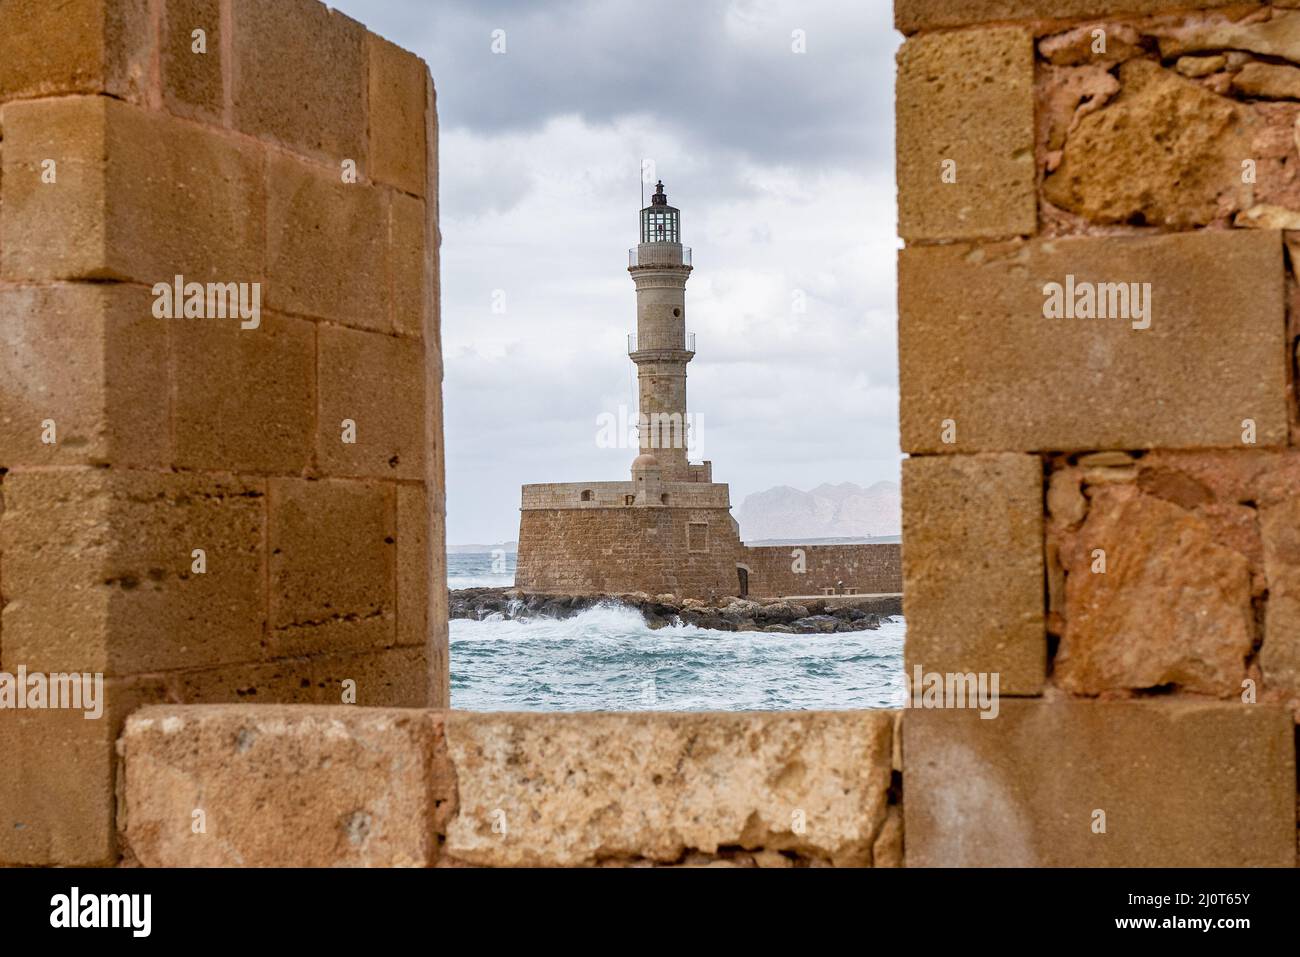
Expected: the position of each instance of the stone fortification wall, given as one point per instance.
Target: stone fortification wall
(689, 552)
(198, 503)
(1097, 340)
(811, 569)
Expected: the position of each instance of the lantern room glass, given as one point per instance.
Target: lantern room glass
(660, 224)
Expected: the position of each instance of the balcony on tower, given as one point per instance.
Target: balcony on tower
(687, 344)
(658, 254)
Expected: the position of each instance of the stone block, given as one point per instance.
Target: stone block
(244, 400)
(412, 565)
(913, 15)
(1245, 504)
(407, 263)
(1185, 172)
(398, 149)
(283, 786)
(1264, 477)
(183, 200)
(558, 790)
(1279, 656)
(1082, 384)
(1268, 81)
(79, 46)
(973, 574)
(57, 792)
(888, 850)
(391, 677)
(333, 560)
(139, 196)
(300, 77)
(432, 233)
(966, 98)
(1277, 35)
(54, 229)
(1180, 784)
(192, 79)
(1153, 597)
(90, 359)
(327, 246)
(376, 382)
(1077, 46)
(433, 432)
(57, 798)
(98, 570)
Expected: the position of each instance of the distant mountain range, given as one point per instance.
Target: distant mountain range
(826, 512)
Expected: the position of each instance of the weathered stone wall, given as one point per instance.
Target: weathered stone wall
(581, 539)
(1178, 783)
(811, 569)
(702, 494)
(1102, 504)
(1185, 783)
(328, 786)
(215, 141)
(688, 552)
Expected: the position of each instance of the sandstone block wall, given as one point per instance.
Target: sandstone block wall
(329, 786)
(1180, 783)
(582, 539)
(688, 552)
(779, 570)
(230, 142)
(1183, 783)
(701, 494)
(1098, 345)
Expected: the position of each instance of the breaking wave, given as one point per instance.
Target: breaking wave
(607, 659)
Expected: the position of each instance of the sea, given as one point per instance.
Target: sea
(608, 659)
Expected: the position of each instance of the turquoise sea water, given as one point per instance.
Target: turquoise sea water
(607, 659)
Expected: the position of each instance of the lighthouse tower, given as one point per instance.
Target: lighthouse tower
(660, 266)
(669, 530)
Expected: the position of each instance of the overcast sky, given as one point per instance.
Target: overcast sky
(782, 165)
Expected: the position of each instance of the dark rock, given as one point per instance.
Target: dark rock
(815, 624)
(782, 612)
(716, 623)
(730, 614)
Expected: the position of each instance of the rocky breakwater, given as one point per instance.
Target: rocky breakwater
(805, 617)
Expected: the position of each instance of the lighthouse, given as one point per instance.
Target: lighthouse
(669, 530)
(660, 265)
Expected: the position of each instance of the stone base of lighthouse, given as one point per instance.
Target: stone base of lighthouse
(594, 538)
